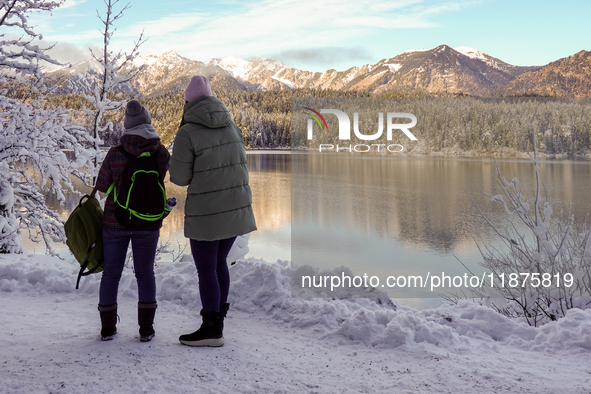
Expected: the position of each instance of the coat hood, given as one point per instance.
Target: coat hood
(143, 130)
(140, 139)
(207, 111)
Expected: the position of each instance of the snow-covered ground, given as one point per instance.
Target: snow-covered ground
(49, 340)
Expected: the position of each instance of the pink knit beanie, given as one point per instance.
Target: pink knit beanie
(198, 87)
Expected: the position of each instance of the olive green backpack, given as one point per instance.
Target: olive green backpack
(84, 235)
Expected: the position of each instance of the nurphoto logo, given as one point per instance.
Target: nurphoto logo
(345, 130)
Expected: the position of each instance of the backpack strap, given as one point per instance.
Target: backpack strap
(81, 273)
(91, 195)
(129, 157)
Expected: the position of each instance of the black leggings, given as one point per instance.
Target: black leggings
(214, 278)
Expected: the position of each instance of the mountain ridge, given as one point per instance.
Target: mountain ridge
(459, 70)
(566, 77)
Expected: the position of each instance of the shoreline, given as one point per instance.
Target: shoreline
(503, 155)
(445, 155)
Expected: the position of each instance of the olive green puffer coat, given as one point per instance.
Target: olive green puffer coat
(209, 156)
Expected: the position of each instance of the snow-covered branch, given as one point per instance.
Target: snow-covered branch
(115, 74)
(32, 137)
(536, 245)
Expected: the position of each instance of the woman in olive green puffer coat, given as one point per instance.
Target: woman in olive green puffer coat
(209, 156)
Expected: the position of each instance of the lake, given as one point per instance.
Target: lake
(270, 175)
(397, 216)
(379, 215)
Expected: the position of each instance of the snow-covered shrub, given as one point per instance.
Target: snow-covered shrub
(543, 268)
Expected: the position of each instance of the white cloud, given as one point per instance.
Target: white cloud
(323, 56)
(447, 7)
(82, 38)
(72, 3)
(268, 27)
(274, 26)
(67, 53)
(173, 23)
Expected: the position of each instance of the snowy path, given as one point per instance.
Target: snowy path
(50, 344)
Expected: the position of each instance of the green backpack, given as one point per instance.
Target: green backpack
(140, 195)
(84, 235)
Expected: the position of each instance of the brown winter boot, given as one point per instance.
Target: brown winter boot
(145, 318)
(108, 321)
(223, 311)
(209, 334)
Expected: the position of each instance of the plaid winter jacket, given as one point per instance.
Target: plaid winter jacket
(134, 142)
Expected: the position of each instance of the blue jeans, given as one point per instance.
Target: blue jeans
(212, 270)
(143, 245)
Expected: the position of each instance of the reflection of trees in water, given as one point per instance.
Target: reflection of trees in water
(416, 201)
(269, 162)
(269, 181)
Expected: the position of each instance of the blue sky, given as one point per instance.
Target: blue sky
(318, 35)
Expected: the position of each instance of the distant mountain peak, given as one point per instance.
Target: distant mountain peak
(472, 53)
(416, 50)
(242, 69)
(166, 58)
(170, 54)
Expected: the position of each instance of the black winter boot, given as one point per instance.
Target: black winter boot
(108, 321)
(209, 334)
(145, 318)
(223, 311)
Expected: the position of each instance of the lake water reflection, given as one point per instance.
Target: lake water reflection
(398, 215)
(406, 215)
(270, 175)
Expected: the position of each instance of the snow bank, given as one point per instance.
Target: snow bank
(34, 273)
(263, 289)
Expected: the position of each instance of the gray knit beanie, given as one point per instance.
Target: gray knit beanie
(198, 87)
(135, 115)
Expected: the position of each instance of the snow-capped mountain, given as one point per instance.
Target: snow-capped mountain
(441, 69)
(245, 69)
(171, 72)
(255, 74)
(75, 78)
(168, 72)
